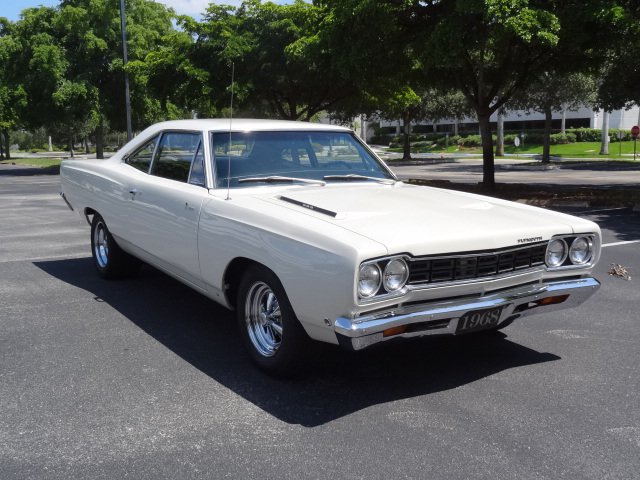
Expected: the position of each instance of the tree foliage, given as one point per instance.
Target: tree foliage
(555, 91)
(12, 94)
(621, 81)
(396, 57)
(487, 49)
(70, 59)
(282, 67)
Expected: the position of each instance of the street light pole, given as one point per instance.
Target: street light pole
(126, 75)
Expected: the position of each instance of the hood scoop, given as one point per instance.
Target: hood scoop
(309, 206)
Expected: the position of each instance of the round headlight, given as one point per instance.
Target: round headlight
(580, 251)
(395, 275)
(556, 252)
(369, 279)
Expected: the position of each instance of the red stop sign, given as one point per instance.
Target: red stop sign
(635, 131)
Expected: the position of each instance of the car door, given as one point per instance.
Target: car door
(165, 205)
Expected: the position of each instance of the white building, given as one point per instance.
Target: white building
(522, 120)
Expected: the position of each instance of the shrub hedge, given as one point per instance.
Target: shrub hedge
(572, 135)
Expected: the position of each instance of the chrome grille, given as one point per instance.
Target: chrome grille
(469, 266)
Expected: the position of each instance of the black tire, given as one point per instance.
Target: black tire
(110, 260)
(269, 329)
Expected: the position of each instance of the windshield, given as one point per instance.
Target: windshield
(265, 157)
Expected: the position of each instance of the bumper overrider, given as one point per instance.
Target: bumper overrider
(442, 317)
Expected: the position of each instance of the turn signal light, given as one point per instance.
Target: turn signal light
(552, 300)
(390, 332)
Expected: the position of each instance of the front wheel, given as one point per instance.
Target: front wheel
(269, 329)
(109, 259)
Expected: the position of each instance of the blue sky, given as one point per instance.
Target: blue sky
(12, 8)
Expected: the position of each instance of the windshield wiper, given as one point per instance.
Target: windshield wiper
(279, 179)
(353, 177)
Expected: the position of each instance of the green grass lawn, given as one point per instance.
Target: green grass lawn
(571, 150)
(34, 162)
(579, 150)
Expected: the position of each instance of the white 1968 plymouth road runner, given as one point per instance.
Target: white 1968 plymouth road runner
(306, 234)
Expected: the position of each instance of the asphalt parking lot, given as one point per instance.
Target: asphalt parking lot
(145, 379)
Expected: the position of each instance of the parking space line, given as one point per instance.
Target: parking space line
(620, 243)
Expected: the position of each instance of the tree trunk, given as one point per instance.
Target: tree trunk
(86, 146)
(563, 129)
(546, 137)
(7, 144)
(500, 134)
(604, 147)
(455, 127)
(1, 145)
(71, 142)
(406, 148)
(99, 133)
(488, 165)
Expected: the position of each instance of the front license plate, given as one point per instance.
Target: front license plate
(479, 320)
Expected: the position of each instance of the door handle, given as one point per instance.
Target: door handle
(133, 192)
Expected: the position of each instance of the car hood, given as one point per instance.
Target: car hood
(424, 220)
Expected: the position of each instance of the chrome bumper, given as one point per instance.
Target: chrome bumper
(441, 318)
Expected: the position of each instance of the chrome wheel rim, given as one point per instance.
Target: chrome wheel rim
(100, 245)
(263, 319)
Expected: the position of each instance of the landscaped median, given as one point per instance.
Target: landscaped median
(45, 162)
(548, 195)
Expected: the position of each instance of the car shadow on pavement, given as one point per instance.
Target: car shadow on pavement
(337, 383)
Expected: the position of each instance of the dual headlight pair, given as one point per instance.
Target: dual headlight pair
(569, 251)
(392, 277)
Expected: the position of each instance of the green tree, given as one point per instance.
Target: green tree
(406, 104)
(429, 104)
(552, 92)
(12, 94)
(621, 78)
(71, 61)
(487, 49)
(90, 32)
(282, 67)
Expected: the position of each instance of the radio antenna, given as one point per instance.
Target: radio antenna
(230, 123)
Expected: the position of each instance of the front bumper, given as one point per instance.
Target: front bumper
(441, 318)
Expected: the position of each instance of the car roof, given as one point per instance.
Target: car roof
(243, 124)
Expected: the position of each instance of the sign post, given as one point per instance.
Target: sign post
(635, 131)
(620, 137)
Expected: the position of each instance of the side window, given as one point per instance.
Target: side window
(175, 153)
(141, 159)
(196, 177)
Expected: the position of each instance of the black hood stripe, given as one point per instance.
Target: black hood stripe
(309, 207)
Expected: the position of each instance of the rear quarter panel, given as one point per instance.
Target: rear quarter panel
(95, 185)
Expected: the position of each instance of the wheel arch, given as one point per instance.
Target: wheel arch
(233, 276)
(89, 212)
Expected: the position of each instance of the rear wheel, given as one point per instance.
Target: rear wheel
(270, 330)
(109, 259)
